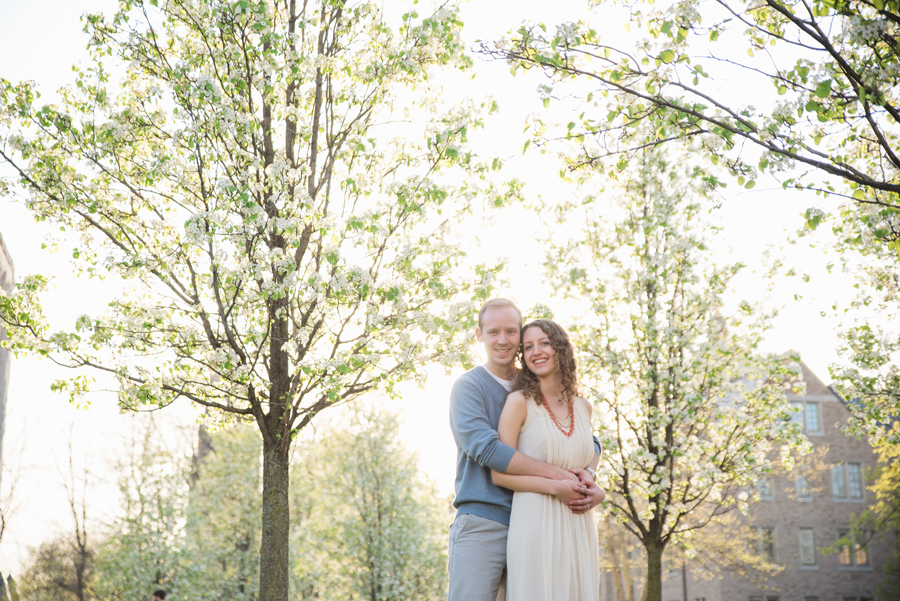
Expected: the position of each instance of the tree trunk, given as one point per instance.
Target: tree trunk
(617, 570)
(653, 587)
(274, 563)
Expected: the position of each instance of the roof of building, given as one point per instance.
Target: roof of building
(813, 384)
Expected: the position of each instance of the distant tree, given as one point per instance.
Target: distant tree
(622, 557)
(688, 410)
(275, 184)
(375, 529)
(726, 545)
(222, 530)
(9, 591)
(62, 568)
(59, 569)
(144, 549)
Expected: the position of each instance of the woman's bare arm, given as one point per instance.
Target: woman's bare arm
(511, 419)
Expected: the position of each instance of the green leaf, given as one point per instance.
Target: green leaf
(667, 56)
(823, 90)
(813, 218)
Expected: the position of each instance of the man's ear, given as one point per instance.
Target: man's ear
(478, 334)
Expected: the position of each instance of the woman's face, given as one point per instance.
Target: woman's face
(539, 355)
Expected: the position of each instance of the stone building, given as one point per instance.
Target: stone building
(6, 283)
(800, 514)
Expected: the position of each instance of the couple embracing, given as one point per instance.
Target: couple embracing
(526, 431)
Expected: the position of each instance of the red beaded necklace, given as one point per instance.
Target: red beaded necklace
(553, 417)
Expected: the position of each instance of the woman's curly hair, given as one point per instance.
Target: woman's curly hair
(566, 367)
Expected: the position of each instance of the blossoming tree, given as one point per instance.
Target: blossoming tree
(806, 91)
(271, 181)
(824, 78)
(689, 413)
(376, 527)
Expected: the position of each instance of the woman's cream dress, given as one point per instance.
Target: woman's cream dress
(552, 553)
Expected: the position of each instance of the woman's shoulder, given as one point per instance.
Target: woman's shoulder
(584, 403)
(519, 401)
(516, 397)
(521, 396)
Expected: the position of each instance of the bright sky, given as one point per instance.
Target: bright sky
(41, 39)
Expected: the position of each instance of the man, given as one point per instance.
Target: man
(478, 534)
(159, 595)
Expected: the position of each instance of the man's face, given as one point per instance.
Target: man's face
(500, 335)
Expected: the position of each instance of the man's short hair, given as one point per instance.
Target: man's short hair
(496, 303)
(159, 593)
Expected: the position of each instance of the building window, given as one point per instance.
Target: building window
(766, 488)
(854, 552)
(808, 415)
(765, 543)
(802, 487)
(854, 481)
(847, 481)
(807, 547)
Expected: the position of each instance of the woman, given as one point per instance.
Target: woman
(552, 553)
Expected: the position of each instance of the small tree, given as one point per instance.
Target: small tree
(622, 557)
(222, 529)
(688, 411)
(62, 568)
(280, 248)
(59, 570)
(376, 529)
(143, 550)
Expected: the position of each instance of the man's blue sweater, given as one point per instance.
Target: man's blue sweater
(476, 402)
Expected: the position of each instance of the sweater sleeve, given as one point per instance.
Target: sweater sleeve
(472, 428)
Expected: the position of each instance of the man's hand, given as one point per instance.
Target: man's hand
(592, 495)
(564, 474)
(583, 475)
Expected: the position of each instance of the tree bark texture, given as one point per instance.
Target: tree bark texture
(274, 565)
(654, 571)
